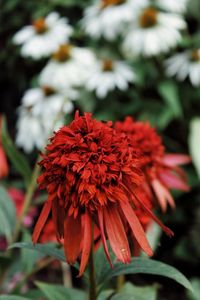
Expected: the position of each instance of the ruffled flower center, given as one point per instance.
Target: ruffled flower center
(106, 3)
(148, 18)
(63, 53)
(48, 91)
(40, 26)
(107, 65)
(195, 55)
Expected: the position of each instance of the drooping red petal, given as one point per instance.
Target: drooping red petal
(136, 227)
(101, 225)
(173, 181)
(87, 242)
(149, 213)
(41, 221)
(116, 234)
(173, 160)
(58, 218)
(72, 238)
(162, 194)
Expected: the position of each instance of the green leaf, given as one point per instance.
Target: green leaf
(47, 249)
(169, 92)
(196, 290)
(13, 297)
(146, 266)
(7, 214)
(28, 257)
(194, 143)
(105, 295)
(58, 292)
(19, 161)
(131, 292)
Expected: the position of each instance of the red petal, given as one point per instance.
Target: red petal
(87, 242)
(173, 181)
(163, 195)
(149, 213)
(101, 225)
(116, 234)
(173, 160)
(58, 214)
(136, 227)
(72, 238)
(41, 221)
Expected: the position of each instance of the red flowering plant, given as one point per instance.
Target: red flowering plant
(161, 170)
(98, 179)
(92, 178)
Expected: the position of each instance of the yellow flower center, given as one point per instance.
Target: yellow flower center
(40, 26)
(107, 65)
(106, 3)
(63, 53)
(148, 18)
(48, 91)
(195, 55)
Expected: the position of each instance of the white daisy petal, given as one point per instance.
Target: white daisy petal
(183, 65)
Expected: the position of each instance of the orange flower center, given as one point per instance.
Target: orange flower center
(63, 53)
(195, 55)
(40, 26)
(106, 3)
(148, 18)
(107, 65)
(48, 91)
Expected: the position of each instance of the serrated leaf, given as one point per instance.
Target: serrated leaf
(7, 214)
(13, 297)
(194, 143)
(147, 266)
(18, 159)
(169, 92)
(47, 249)
(58, 292)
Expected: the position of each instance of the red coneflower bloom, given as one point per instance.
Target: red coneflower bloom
(3, 161)
(160, 169)
(91, 176)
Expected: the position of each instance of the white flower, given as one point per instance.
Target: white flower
(107, 17)
(152, 32)
(42, 111)
(108, 75)
(186, 64)
(68, 69)
(43, 37)
(174, 6)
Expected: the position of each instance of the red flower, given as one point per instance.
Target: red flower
(3, 161)
(160, 169)
(91, 176)
(48, 233)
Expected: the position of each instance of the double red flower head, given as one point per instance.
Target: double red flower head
(95, 175)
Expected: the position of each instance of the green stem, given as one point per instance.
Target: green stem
(27, 200)
(92, 278)
(120, 282)
(92, 290)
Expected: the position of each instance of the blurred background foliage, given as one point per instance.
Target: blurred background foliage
(167, 104)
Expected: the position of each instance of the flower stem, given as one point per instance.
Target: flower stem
(27, 200)
(92, 290)
(120, 282)
(92, 278)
